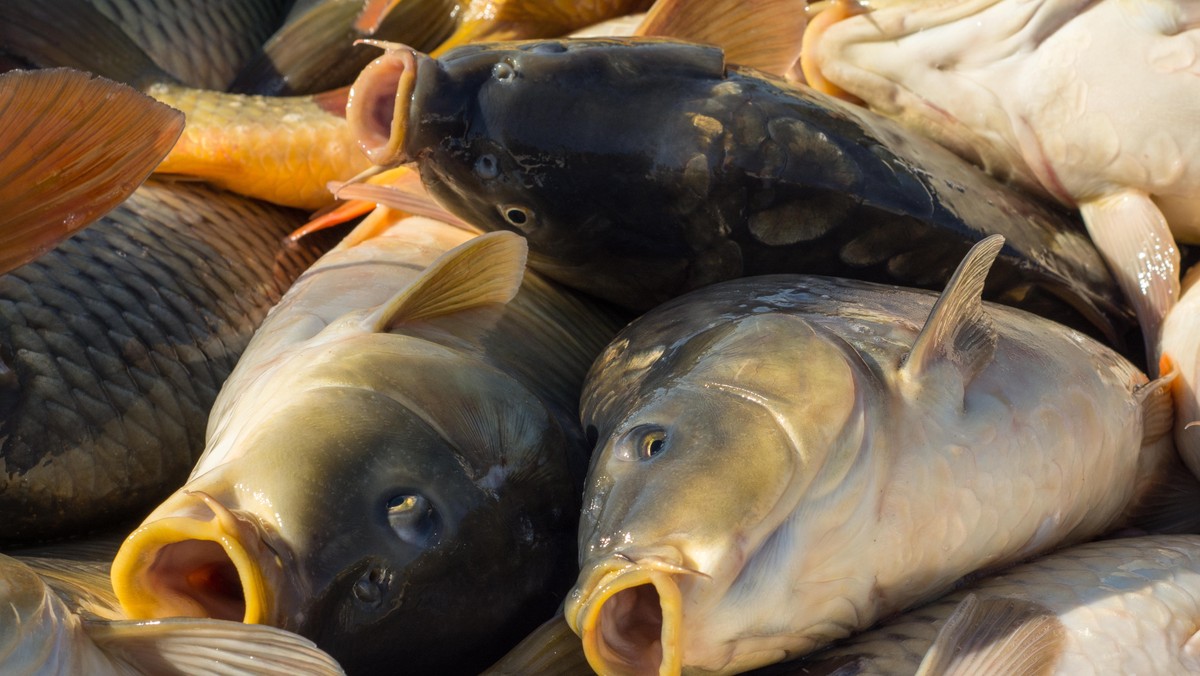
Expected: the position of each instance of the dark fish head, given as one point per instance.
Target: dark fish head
(394, 517)
(563, 141)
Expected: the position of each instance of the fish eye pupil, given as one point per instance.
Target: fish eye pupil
(517, 216)
(653, 446)
(412, 518)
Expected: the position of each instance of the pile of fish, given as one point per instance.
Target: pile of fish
(312, 354)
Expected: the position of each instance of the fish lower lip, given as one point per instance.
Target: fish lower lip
(630, 622)
(187, 566)
(377, 108)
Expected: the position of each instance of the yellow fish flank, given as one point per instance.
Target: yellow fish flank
(280, 149)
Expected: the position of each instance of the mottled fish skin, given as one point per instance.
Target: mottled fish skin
(427, 517)
(1122, 606)
(785, 467)
(653, 156)
(115, 343)
(202, 44)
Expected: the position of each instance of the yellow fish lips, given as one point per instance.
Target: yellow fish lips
(205, 561)
(629, 615)
(378, 104)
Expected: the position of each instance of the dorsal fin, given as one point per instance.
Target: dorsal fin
(999, 637)
(958, 328)
(762, 34)
(486, 269)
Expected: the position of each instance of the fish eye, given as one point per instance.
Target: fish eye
(504, 71)
(643, 443)
(517, 216)
(412, 518)
(486, 166)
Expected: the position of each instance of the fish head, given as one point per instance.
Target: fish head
(562, 141)
(388, 514)
(690, 507)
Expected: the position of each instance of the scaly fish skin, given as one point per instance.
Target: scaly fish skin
(657, 155)
(427, 514)
(1118, 606)
(785, 460)
(115, 344)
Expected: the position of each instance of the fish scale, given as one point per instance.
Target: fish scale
(117, 342)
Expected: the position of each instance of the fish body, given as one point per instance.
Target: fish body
(784, 460)
(115, 344)
(61, 617)
(1114, 606)
(429, 430)
(1039, 93)
(669, 163)
(283, 150)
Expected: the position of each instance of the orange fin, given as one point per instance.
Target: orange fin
(328, 218)
(372, 15)
(72, 147)
(762, 34)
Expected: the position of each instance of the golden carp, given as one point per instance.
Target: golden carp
(394, 467)
(783, 461)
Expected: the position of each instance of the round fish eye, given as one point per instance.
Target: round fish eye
(643, 442)
(412, 518)
(517, 216)
(504, 72)
(486, 167)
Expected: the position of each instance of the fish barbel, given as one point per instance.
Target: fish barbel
(426, 415)
(1088, 102)
(654, 156)
(782, 461)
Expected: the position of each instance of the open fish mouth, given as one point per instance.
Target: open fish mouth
(379, 101)
(629, 615)
(207, 561)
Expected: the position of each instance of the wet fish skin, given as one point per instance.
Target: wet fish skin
(62, 618)
(115, 344)
(464, 422)
(784, 460)
(696, 173)
(201, 44)
(1120, 606)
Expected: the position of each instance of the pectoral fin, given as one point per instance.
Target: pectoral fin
(486, 269)
(1136, 242)
(198, 646)
(1000, 637)
(551, 650)
(762, 34)
(72, 147)
(958, 330)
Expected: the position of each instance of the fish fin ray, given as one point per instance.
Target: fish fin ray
(1136, 242)
(196, 646)
(996, 636)
(737, 26)
(551, 650)
(959, 328)
(1158, 407)
(484, 270)
(76, 146)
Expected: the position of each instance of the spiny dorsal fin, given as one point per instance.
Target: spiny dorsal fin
(72, 147)
(486, 269)
(762, 34)
(998, 637)
(180, 645)
(958, 328)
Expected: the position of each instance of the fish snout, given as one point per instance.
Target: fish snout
(628, 612)
(204, 560)
(377, 109)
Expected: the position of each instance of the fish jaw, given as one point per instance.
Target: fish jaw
(200, 559)
(379, 103)
(629, 614)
